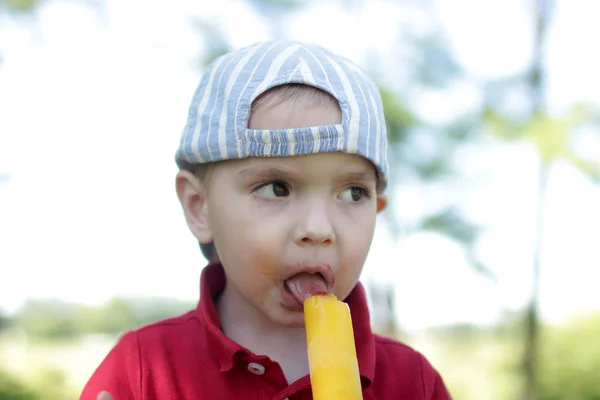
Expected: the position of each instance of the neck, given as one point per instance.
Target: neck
(246, 325)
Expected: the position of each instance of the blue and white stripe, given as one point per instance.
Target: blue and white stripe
(217, 125)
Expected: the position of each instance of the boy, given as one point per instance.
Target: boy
(283, 167)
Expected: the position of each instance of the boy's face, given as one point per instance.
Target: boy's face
(307, 219)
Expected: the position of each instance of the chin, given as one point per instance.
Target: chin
(294, 324)
(295, 320)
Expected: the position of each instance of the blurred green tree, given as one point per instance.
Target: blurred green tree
(570, 361)
(424, 65)
(52, 319)
(553, 137)
(4, 321)
(56, 320)
(115, 317)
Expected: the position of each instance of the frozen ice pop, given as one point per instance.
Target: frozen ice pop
(332, 358)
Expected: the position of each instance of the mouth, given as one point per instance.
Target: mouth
(308, 280)
(291, 280)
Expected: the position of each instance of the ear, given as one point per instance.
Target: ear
(381, 202)
(192, 197)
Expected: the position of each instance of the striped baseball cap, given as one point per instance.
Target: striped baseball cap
(217, 124)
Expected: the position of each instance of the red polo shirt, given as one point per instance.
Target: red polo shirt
(189, 358)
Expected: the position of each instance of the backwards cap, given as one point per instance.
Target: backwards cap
(217, 124)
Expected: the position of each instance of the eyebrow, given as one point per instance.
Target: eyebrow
(269, 173)
(266, 172)
(360, 176)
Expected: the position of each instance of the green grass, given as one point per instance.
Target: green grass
(35, 362)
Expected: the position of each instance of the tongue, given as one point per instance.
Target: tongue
(305, 285)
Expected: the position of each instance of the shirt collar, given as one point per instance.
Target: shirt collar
(225, 351)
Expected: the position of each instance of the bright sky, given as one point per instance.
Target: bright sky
(91, 107)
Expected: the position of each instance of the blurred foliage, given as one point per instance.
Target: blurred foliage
(4, 321)
(20, 6)
(552, 136)
(52, 319)
(423, 152)
(12, 388)
(275, 13)
(483, 363)
(215, 40)
(276, 6)
(450, 223)
(398, 117)
(17, 8)
(433, 65)
(569, 366)
(48, 384)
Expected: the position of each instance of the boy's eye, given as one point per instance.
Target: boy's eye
(354, 194)
(273, 189)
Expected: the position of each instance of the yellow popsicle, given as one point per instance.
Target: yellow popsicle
(332, 358)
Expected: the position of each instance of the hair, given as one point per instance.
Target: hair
(209, 251)
(293, 91)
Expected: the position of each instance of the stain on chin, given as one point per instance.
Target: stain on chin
(265, 265)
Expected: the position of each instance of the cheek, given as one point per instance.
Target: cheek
(359, 227)
(249, 240)
(266, 241)
(265, 262)
(356, 240)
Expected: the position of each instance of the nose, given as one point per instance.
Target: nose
(314, 227)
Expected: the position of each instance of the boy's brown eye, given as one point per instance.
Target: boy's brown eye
(272, 190)
(279, 189)
(354, 194)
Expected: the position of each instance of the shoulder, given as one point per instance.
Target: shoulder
(398, 361)
(395, 348)
(165, 334)
(167, 327)
(394, 355)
